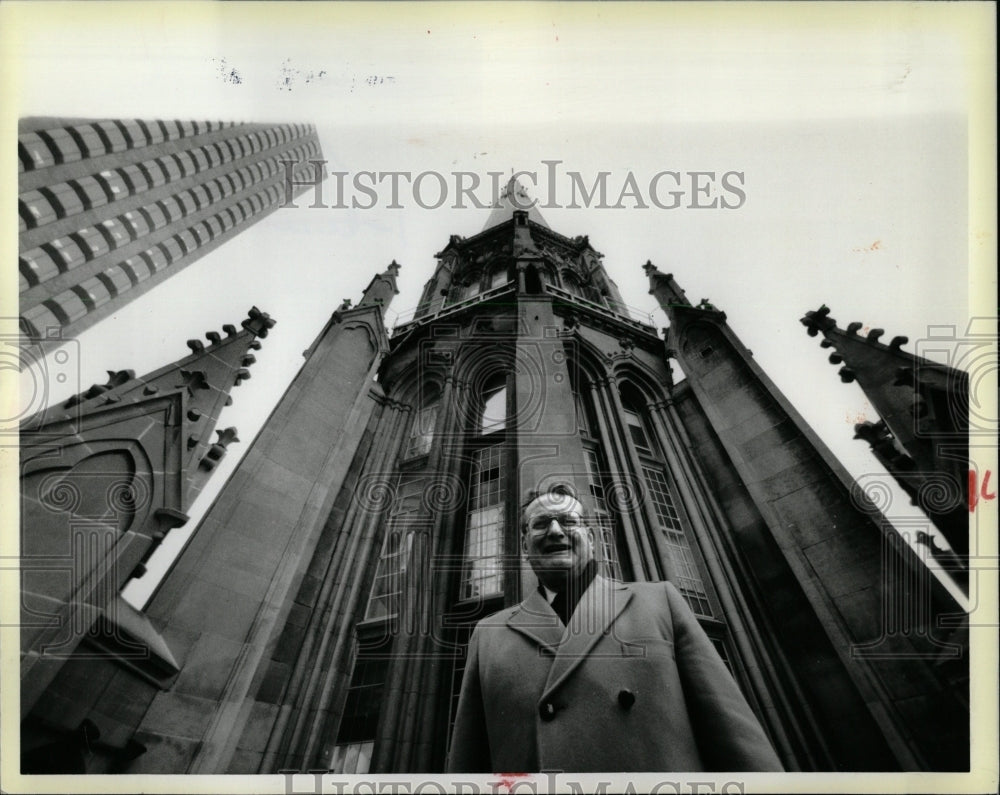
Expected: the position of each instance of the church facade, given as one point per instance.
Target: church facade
(375, 519)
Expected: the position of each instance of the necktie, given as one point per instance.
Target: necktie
(561, 607)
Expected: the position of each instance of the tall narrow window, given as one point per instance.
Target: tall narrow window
(604, 530)
(387, 588)
(532, 281)
(654, 473)
(637, 431)
(460, 649)
(422, 429)
(356, 736)
(483, 554)
(494, 416)
(603, 521)
(482, 571)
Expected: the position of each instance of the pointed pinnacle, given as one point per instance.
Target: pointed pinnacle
(118, 377)
(257, 322)
(227, 436)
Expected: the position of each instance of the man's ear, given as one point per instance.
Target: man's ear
(524, 543)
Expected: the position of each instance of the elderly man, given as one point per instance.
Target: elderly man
(589, 675)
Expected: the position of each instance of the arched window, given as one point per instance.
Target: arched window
(658, 486)
(494, 414)
(499, 278)
(483, 548)
(533, 281)
(462, 292)
(572, 285)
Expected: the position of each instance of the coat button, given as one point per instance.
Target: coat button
(547, 710)
(626, 698)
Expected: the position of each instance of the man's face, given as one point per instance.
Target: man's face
(556, 542)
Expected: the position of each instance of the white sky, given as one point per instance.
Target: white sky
(850, 127)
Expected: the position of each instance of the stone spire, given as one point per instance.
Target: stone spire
(206, 377)
(922, 434)
(663, 287)
(513, 197)
(381, 290)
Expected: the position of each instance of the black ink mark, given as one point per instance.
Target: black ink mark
(290, 76)
(228, 74)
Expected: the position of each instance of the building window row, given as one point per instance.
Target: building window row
(46, 261)
(45, 148)
(487, 281)
(73, 303)
(536, 280)
(51, 203)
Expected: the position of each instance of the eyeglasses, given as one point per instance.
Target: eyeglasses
(540, 524)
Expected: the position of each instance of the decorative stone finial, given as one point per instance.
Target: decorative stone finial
(258, 323)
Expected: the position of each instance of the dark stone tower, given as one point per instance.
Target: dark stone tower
(375, 520)
(522, 366)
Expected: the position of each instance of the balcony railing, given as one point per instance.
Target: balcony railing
(630, 315)
(407, 321)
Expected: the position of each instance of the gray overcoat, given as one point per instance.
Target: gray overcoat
(633, 684)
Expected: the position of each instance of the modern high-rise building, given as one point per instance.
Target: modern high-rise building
(108, 209)
(318, 619)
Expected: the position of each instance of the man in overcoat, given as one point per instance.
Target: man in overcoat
(593, 675)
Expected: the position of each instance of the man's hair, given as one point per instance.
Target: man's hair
(558, 489)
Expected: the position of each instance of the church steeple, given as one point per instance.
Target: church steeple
(382, 288)
(512, 198)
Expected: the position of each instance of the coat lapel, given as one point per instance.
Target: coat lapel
(536, 619)
(598, 608)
